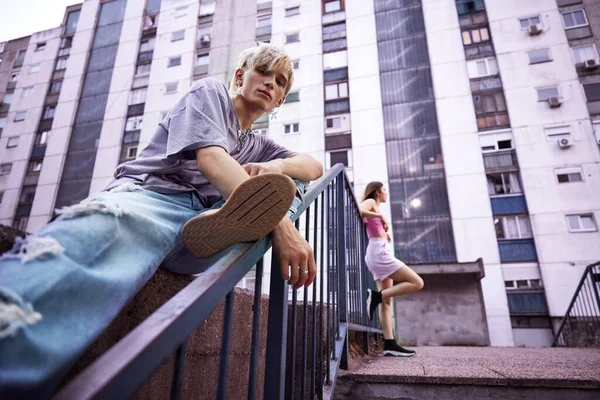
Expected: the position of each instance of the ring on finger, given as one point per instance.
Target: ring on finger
(304, 271)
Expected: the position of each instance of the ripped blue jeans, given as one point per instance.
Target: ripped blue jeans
(60, 288)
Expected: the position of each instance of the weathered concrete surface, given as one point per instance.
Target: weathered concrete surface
(449, 311)
(477, 373)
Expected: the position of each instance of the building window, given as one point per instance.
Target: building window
(40, 46)
(131, 152)
(179, 35)
(55, 87)
(566, 175)
(335, 31)
(41, 138)
(147, 45)
(338, 157)
(2, 122)
(291, 128)
(61, 64)
(134, 123)
(138, 96)
(581, 223)
(333, 123)
(337, 59)
(66, 42)
(180, 12)
(592, 91)
(289, 12)
(557, 133)
(513, 227)
(171, 87)
(584, 53)
(20, 116)
(523, 284)
(527, 22)
(296, 64)
(27, 91)
(1, 196)
(174, 61)
(35, 166)
(336, 91)
(143, 69)
(20, 56)
(14, 76)
(263, 21)
(574, 19)
(35, 68)
(49, 112)
(27, 195)
(483, 67)
(5, 168)
(503, 183)
(292, 38)
(475, 35)
(7, 99)
(20, 223)
(202, 59)
(539, 56)
(469, 6)
(72, 19)
(292, 97)
(545, 93)
(490, 110)
(12, 142)
(332, 5)
(207, 8)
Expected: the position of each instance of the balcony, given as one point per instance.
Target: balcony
(479, 50)
(136, 109)
(483, 84)
(469, 6)
(527, 303)
(64, 52)
(338, 106)
(338, 141)
(509, 205)
(38, 151)
(11, 85)
(263, 31)
(501, 161)
(517, 250)
(145, 56)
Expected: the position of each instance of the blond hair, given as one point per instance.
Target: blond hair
(268, 55)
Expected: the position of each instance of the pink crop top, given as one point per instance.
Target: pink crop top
(374, 227)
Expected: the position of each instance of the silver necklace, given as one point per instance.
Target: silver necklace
(242, 136)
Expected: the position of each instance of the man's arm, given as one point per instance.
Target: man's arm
(298, 166)
(225, 174)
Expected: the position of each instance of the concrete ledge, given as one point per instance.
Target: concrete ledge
(475, 267)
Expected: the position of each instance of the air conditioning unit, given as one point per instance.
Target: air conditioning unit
(554, 102)
(205, 39)
(534, 29)
(565, 142)
(590, 64)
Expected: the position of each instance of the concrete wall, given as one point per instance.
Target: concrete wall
(442, 313)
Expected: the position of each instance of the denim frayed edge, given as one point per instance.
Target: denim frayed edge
(15, 313)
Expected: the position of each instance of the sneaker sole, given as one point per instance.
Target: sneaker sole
(252, 211)
(369, 299)
(392, 353)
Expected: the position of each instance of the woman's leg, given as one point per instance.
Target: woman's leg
(409, 282)
(385, 309)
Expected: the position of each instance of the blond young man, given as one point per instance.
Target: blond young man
(60, 288)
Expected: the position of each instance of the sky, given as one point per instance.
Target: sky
(20, 18)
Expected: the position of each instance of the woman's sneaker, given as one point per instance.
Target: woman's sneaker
(392, 349)
(373, 300)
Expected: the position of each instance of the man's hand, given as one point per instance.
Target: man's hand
(273, 166)
(293, 252)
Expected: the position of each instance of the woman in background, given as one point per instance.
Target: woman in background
(386, 268)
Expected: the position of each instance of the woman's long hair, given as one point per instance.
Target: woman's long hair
(372, 189)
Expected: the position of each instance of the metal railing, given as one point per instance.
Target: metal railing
(581, 325)
(302, 359)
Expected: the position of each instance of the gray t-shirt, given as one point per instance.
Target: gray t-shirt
(204, 117)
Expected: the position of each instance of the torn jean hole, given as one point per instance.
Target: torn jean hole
(15, 314)
(34, 247)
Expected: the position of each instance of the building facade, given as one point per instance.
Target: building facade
(481, 118)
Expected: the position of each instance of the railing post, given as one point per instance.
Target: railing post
(341, 256)
(594, 285)
(275, 361)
